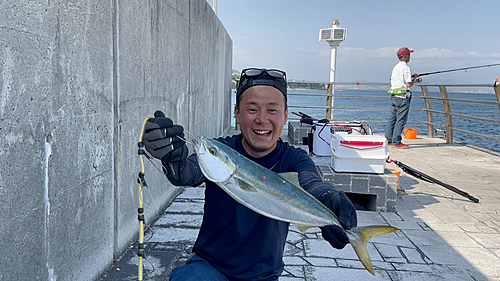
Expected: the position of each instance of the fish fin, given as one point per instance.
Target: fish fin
(291, 177)
(236, 183)
(359, 236)
(303, 228)
(245, 186)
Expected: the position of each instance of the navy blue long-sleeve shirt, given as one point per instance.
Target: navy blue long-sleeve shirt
(240, 243)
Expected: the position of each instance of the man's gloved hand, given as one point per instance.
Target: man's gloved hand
(160, 139)
(342, 206)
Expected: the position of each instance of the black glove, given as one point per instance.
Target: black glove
(160, 139)
(342, 206)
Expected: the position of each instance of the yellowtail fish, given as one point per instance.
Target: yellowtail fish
(277, 196)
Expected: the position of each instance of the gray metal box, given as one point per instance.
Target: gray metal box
(297, 131)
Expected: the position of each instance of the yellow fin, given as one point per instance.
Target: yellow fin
(291, 177)
(303, 228)
(359, 236)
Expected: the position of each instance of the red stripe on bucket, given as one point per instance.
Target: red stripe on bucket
(361, 145)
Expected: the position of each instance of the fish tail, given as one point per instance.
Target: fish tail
(359, 236)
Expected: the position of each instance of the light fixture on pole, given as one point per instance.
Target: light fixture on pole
(214, 6)
(334, 36)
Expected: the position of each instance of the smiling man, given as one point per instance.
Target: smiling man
(234, 242)
(262, 112)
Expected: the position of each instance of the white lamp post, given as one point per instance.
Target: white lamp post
(214, 6)
(334, 36)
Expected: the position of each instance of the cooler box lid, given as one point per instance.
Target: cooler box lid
(360, 146)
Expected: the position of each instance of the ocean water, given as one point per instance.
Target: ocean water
(470, 109)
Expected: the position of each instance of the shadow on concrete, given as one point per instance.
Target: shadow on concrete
(428, 216)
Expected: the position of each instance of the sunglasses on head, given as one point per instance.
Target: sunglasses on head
(252, 72)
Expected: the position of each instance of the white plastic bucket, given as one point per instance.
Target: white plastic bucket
(321, 140)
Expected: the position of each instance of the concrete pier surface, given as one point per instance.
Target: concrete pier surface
(443, 236)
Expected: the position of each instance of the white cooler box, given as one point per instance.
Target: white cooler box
(359, 153)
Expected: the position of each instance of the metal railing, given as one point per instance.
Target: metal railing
(447, 127)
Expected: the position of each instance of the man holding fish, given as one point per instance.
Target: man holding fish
(256, 185)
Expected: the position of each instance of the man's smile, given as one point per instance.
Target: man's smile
(262, 132)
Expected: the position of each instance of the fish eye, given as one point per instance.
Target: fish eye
(212, 151)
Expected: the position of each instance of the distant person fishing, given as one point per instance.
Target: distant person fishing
(401, 82)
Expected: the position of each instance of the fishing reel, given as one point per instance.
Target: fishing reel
(415, 78)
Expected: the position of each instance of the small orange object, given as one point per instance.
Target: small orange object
(264, 177)
(410, 134)
(398, 174)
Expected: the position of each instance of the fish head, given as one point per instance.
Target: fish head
(214, 160)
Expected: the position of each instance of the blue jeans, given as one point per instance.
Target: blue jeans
(196, 269)
(399, 115)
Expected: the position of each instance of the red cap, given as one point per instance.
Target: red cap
(403, 52)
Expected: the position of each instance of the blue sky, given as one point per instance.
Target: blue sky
(444, 34)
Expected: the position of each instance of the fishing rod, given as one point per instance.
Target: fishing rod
(304, 118)
(142, 184)
(419, 175)
(457, 69)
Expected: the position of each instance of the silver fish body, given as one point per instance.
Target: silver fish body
(260, 189)
(277, 196)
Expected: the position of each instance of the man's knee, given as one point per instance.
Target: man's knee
(196, 269)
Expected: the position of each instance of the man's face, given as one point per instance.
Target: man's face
(262, 117)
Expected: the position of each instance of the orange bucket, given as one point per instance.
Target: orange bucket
(410, 134)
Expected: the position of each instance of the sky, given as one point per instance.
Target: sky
(445, 35)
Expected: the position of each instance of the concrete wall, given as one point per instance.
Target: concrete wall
(77, 80)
